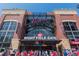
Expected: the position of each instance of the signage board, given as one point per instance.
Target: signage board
(40, 38)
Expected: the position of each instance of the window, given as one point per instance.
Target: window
(13, 26)
(6, 33)
(2, 35)
(34, 32)
(71, 30)
(5, 25)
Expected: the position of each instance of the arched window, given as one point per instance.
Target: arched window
(35, 32)
(40, 25)
(6, 33)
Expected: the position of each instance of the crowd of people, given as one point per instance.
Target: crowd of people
(73, 52)
(37, 53)
(11, 52)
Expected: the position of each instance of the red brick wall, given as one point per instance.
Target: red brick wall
(59, 32)
(1, 19)
(19, 18)
(59, 25)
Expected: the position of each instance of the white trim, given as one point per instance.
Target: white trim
(13, 11)
(65, 11)
(10, 20)
(69, 21)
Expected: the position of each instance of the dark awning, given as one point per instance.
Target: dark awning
(31, 42)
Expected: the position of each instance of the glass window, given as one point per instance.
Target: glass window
(10, 34)
(13, 23)
(66, 26)
(1, 38)
(73, 25)
(76, 33)
(70, 36)
(13, 26)
(5, 25)
(7, 34)
(2, 35)
(8, 39)
(5, 45)
(71, 30)
(68, 33)
(45, 32)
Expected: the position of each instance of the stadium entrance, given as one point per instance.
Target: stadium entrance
(40, 34)
(43, 48)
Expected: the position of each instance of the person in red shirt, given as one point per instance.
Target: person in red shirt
(31, 53)
(18, 53)
(54, 53)
(77, 53)
(24, 53)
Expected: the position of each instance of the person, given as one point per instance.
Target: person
(12, 52)
(65, 53)
(6, 53)
(39, 53)
(35, 53)
(1, 52)
(24, 53)
(74, 52)
(46, 52)
(43, 53)
(31, 53)
(18, 53)
(77, 52)
(69, 52)
(54, 53)
(21, 53)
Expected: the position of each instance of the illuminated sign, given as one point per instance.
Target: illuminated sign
(37, 20)
(40, 38)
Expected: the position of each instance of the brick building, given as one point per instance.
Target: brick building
(59, 30)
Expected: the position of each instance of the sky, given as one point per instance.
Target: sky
(38, 7)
